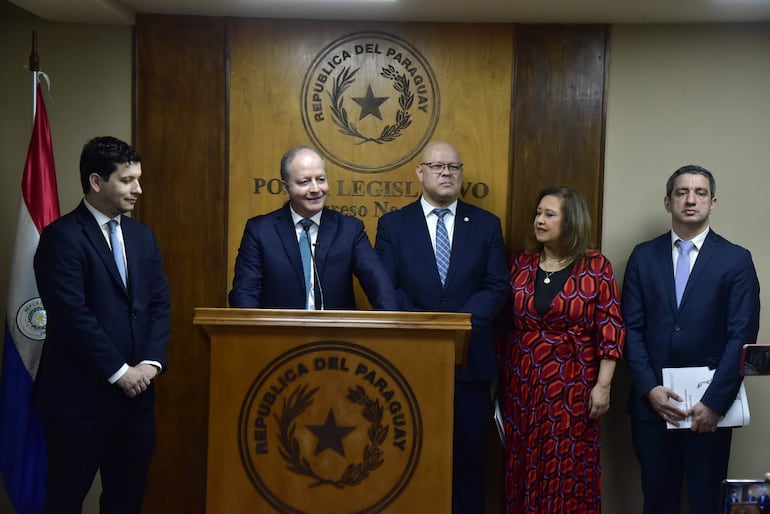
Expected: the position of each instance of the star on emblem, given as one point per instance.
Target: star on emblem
(330, 435)
(370, 104)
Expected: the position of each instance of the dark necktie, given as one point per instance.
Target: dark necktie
(117, 249)
(682, 268)
(442, 244)
(305, 252)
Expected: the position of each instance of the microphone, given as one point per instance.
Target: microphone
(312, 246)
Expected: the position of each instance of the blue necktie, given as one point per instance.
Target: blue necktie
(442, 244)
(117, 249)
(682, 268)
(307, 257)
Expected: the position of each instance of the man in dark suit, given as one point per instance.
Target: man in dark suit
(269, 268)
(106, 334)
(475, 281)
(717, 314)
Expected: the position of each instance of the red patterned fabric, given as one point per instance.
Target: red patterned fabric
(550, 365)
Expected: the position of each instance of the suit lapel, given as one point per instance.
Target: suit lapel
(663, 252)
(705, 254)
(327, 231)
(287, 235)
(416, 230)
(131, 240)
(93, 232)
(460, 238)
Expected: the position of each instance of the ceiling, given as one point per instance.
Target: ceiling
(122, 12)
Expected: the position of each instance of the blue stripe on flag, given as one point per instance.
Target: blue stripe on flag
(22, 446)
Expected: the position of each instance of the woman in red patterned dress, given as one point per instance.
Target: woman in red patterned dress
(564, 334)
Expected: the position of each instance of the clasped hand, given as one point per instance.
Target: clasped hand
(137, 379)
(704, 419)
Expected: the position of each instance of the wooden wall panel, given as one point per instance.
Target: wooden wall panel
(521, 129)
(558, 119)
(473, 67)
(181, 134)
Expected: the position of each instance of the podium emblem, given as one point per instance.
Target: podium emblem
(330, 427)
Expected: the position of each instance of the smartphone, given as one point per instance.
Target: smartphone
(755, 359)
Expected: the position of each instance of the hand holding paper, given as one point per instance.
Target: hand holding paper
(666, 402)
(690, 384)
(704, 418)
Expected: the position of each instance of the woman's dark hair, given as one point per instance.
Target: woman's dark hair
(576, 231)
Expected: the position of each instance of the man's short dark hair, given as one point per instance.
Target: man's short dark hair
(692, 169)
(102, 155)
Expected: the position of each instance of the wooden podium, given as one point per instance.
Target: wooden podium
(331, 412)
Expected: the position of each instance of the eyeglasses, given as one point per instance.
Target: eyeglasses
(438, 167)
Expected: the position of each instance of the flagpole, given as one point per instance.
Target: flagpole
(34, 67)
(23, 459)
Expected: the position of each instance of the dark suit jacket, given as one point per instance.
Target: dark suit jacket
(95, 324)
(476, 282)
(718, 314)
(268, 268)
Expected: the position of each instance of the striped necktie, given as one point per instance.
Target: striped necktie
(442, 244)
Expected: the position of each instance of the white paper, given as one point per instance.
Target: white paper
(691, 384)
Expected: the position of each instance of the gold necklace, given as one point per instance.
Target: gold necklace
(559, 264)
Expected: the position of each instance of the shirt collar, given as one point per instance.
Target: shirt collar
(697, 241)
(296, 218)
(100, 217)
(428, 208)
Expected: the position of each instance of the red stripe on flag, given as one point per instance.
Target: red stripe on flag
(38, 184)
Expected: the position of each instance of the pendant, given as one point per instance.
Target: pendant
(547, 280)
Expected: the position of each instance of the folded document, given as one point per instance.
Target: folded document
(691, 384)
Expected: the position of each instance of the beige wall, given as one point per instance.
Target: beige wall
(680, 95)
(90, 71)
(677, 94)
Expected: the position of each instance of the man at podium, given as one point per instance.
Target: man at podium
(444, 255)
(304, 256)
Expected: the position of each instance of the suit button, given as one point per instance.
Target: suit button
(133, 315)
(676, 328)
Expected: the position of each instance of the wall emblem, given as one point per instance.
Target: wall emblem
(370, 102)
(330, 427)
